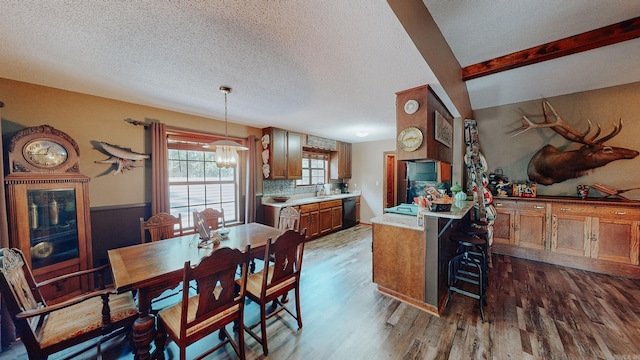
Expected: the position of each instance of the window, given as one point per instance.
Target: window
(196, 183)
(314, 168)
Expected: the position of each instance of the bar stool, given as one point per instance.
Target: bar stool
(468, 265)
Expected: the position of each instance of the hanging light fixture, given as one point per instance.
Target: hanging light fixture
(226, 150)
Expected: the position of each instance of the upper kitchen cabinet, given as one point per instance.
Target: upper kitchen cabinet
(283, 154)
(424, 126)
(341, 162)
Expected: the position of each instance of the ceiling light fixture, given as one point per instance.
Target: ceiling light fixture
(226, 150)
(362, 133)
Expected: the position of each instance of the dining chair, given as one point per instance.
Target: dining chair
(215, 306)
(214, 217)
(276, 280)
(289, 219)
(161, 226)
(47, 329)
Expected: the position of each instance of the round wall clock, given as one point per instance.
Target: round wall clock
(411, 106)
(410, 139)
(45, 153)
(42, 150)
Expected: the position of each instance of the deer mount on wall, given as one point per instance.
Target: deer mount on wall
(550, 165)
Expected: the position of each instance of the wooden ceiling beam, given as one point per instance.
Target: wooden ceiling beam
(608, 35)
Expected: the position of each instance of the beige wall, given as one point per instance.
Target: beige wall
(368, 176)
(90, 119)
(603, 106)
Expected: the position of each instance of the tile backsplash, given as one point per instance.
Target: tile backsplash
(288, 188)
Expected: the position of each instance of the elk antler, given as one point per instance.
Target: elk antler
(564, 129)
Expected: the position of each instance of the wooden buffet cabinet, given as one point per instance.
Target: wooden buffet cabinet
(594, 235)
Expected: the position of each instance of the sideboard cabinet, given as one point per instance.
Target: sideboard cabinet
(595, 235)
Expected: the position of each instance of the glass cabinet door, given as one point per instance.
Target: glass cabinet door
(52, 226)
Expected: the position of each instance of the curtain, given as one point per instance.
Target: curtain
(159, 169)
(250, 201)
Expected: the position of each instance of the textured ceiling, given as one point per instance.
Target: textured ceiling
(329, 68)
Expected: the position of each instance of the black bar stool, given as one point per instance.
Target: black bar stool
(469, 266)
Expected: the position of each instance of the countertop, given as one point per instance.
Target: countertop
(458, 211)
(306, 200)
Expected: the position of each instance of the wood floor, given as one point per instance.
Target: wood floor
(534, 311)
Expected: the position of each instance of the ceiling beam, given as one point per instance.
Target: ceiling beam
(608, 35)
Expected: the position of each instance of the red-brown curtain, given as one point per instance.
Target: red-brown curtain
(250, 201)
(159, 169)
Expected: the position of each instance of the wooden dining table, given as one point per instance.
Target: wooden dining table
(154, 267)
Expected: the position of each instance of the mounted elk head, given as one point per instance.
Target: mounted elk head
(550, 165)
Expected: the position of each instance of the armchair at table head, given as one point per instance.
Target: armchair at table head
(289, 219)
(213, 217)
(216, 305)
(45, 329)
(277, 279)
(161, 226)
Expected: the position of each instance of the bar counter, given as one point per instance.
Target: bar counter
(410, 261)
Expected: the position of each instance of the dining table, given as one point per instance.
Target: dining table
(151, 268)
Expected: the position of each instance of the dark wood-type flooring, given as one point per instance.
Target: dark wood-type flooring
(535, 311)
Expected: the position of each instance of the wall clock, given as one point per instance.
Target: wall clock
(410, 139)
(42, 149)
(411, 106)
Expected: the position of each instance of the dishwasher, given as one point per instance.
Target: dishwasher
(348, 212)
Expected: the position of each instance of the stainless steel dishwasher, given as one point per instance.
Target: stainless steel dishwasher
(348, 212)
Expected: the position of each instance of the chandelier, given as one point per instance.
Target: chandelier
(226, 150)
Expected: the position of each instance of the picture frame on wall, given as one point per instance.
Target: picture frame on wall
(443, 130)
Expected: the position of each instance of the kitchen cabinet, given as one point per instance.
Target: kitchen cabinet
(593, 235)
(330, 215)
(605, 233)
(521, 223)
(284, 154)
(340, 167)
(310, 219)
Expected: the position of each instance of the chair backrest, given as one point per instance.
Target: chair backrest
(289, 219)
(215, 278)
(19, 291)
(161, 226)
(213, 217)
(286, 253)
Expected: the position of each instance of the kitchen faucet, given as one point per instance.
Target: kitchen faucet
(320, 189)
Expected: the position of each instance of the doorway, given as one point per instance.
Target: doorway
(390, 177)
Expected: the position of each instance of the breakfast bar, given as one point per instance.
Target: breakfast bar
(410, 261)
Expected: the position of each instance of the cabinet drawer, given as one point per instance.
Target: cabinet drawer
(532, 206)
(308, 207)
(615, 211)
(573, 209)
(504, 204)
(330, 204)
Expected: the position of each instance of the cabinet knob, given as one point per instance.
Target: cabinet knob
(538, 207)
(564, 209)
(620, 213)
(498, 204)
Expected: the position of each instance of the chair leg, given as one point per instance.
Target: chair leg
(241, 352)
(263, 327)
(298, 313)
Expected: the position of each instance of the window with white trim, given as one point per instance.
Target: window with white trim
(314, 168)
(196, 183)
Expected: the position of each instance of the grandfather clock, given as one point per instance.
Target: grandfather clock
(48, 201)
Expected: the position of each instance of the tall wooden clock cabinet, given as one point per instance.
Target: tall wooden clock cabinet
(48, 207)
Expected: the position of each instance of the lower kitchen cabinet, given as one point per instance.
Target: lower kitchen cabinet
(594, 235)
(330, 215)
(310, 219)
